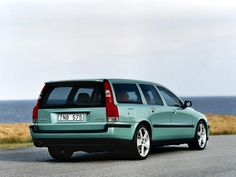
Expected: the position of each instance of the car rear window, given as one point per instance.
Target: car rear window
(127, 93)
(79, 94)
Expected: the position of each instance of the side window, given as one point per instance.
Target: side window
(170, 98)
(127, 93)
(151, 95)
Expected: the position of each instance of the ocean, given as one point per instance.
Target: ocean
(21, 110)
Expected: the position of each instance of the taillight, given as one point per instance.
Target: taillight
(35, 113)
(36, 108)
(111, 109)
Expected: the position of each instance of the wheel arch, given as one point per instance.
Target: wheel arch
(206, 124)
(147, 124)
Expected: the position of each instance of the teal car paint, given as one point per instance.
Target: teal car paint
(113, 115)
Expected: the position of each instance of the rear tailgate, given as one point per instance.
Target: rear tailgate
(72, 106)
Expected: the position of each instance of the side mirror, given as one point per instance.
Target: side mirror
(187, 104)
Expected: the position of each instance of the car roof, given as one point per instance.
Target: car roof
(75, 80)
(110, 80)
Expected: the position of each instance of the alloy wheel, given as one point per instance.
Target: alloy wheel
(143, 142)
(201, 135)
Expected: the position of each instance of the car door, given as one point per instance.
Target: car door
(181, 123)
(159, 115)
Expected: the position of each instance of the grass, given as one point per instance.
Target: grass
(17, 135)
(222, 124)
(15, 145)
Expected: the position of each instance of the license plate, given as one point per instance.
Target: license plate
(71, 117)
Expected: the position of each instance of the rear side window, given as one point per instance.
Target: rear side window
(151, 95)
(79, 94)
(127, 93)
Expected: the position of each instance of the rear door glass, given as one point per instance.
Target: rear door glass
(79, 94)
(127, 93)
(151, 95)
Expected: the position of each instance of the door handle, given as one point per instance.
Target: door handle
(174, 111)
(153, 110)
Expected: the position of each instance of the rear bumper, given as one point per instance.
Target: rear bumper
(112, 136)
(92, 144)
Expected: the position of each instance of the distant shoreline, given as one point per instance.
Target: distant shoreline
(12, 111)
(17, 135)
(203, 96)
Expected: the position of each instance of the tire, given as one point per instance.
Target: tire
(200, 139)
(60, 153)
(141, 143)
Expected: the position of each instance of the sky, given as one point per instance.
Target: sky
(188, 46)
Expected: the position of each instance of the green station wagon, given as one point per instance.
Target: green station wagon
(129, 116)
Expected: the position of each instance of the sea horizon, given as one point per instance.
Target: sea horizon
(194, 96)
(20, 110)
